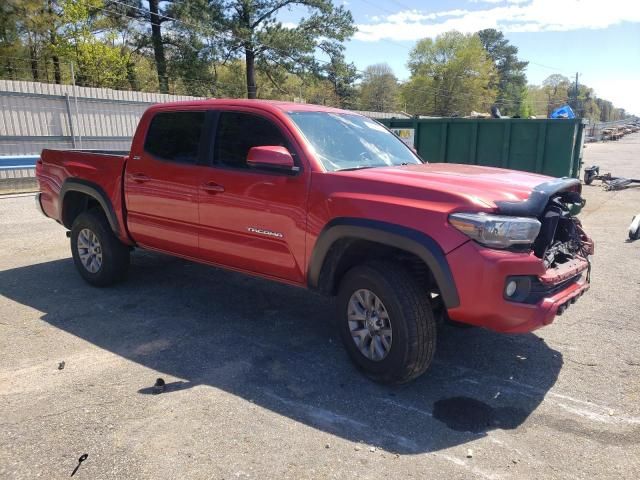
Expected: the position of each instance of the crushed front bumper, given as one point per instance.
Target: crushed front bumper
(481, 274)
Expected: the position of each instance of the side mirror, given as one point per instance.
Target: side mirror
(274, 157)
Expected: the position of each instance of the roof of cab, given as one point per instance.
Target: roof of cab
(268, 105)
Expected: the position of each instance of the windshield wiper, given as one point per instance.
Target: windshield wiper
(359, 167)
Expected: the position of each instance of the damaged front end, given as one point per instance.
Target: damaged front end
(555, 204)
(562, 245)
(562, 238)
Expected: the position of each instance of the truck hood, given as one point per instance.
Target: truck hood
(489, 187)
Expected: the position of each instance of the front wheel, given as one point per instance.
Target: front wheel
(386, 322)
(101, 259)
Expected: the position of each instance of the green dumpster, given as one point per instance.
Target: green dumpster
(548, 146)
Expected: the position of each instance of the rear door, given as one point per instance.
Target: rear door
(162, 180)
(253, 219)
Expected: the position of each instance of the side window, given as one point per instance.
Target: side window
(175, 136)
(239, 132)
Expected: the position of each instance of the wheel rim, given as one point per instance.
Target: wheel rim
(369, 324)
(89, 250)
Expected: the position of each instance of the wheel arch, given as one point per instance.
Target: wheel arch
(76, 195)
(341, 234)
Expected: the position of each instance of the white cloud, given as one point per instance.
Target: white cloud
(505, 15)
(498, 1)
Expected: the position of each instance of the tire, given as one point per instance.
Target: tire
(91, 236)
(588, 177)
(634, 228)
(406, 312)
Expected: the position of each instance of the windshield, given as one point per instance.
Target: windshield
(345, 141)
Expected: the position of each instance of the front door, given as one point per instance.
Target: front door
(162, 180)
(253, 219)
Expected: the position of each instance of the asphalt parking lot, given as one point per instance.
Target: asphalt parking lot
(258, 385)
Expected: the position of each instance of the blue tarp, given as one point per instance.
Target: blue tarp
(563, 112)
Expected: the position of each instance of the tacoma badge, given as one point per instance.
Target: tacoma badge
(265, 232)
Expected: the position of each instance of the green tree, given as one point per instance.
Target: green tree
(27, 31)
(98, 59)
(587, 107)
(606, 110)
(250, 28)
(556, 89)
(154, 13)
(511, 81)
(452, 74)
(11, 48)
(342, 76)
(379, 89)
(536, 101)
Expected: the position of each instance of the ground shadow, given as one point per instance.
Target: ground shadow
(275, 345)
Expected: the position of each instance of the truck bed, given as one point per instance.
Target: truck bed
(103, 168)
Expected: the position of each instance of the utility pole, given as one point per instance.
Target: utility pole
(575, 98)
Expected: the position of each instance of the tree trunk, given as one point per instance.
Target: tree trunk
(56, 70)
(132, 78)
(158, 46)
(53, 41)
(33, 57)
(251, 72)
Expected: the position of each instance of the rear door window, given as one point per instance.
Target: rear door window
(238, 132)
(175, 136)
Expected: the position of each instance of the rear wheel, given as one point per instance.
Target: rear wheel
(386, 322)
(101, 259)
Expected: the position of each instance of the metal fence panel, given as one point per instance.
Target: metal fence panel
(34, 116)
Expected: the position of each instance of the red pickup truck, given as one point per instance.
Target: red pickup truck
(332, 201)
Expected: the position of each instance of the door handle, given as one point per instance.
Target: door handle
(212, 187)
(140, 177)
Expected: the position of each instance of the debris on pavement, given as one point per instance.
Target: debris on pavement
(61, 365)
(159, 386)
(609, 182)
(82, 458)
(469, 453)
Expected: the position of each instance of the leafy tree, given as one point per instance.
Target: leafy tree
(342, 76)
(11, 48)
(452, 74)
(379, 89)
(607, 110)
(536, 101)
(586, 105)
(511, 81)
(154, 13)
(27, 30)
(97, 60)
(555, 88)
(250, 28)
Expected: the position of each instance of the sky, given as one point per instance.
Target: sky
(598, 39)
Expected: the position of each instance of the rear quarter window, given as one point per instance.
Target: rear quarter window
(175, 136)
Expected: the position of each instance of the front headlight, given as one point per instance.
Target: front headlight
(496, 231)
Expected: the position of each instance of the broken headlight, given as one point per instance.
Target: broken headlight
(496, 231)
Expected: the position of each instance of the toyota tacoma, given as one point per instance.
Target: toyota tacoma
(332, 201)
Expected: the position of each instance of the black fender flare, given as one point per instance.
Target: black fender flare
(94, 191)
(403, 238)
